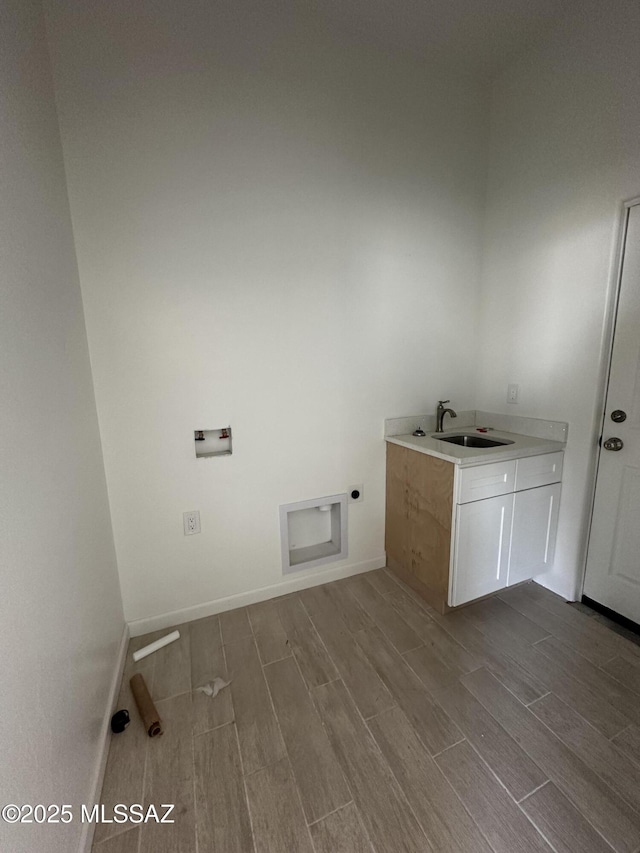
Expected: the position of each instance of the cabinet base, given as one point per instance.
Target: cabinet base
(434, 598)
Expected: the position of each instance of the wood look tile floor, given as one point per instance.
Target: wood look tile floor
(358, 720)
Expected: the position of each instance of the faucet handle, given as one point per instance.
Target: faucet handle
(442, 402)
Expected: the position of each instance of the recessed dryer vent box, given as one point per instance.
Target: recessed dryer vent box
(313, 532)
(213, 442)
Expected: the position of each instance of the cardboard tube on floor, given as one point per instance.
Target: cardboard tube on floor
(148, 711)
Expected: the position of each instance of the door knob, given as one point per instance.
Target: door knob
(618, 416)
(613, 444)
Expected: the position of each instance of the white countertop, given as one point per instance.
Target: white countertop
(523, 445)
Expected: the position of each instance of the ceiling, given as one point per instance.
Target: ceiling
(476, 36)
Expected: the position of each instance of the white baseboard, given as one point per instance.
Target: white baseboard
(241, 599)
(86, 839)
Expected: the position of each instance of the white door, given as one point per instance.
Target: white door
(481, 559)
(613, 563)
(533, 536)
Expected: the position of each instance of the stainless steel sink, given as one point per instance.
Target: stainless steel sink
(472, 440)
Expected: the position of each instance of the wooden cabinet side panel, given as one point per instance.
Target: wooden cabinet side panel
(397, 515)
(419, 515)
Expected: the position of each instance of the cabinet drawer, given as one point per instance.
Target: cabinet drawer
(486, 481)
(534, 471)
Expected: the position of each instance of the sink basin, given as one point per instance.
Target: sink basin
(472, 440)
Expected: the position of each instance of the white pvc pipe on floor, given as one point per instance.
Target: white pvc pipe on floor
(158, 644)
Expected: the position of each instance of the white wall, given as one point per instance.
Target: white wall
(277, 229)
(565, 153)
(61, 617)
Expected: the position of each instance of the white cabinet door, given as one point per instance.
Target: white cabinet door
(533, 539)
(481, 556)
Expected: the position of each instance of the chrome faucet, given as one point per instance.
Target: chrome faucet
(441, 412)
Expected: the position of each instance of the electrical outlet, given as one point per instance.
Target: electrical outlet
(356, 494)
(513, 391)
(191, 522)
